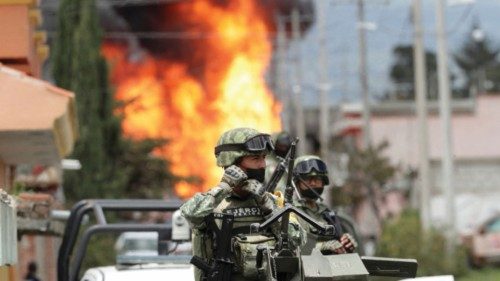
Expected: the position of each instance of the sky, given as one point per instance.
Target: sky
(393, 27)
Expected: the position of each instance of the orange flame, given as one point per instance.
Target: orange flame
(165, 100)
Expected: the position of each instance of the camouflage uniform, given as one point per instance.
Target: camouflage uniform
(315, 210)
(222, 199)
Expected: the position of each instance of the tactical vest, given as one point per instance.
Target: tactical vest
(245, 212)
(312, 237)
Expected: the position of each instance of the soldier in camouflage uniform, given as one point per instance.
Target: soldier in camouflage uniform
(241, 152)
(310, 178)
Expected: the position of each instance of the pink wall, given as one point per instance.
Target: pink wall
(476, 134)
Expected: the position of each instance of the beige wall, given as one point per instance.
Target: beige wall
(476, 135)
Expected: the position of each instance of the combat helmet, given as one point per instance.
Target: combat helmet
(310, 165)
(240, 142)
(282, 143)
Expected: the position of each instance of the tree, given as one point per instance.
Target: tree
(369, 171)
(477, 59)
(112, 166)
(402, 75)
(402, 72)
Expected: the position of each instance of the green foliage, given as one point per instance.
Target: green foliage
(100, 251)
(403, 75)
(478, 60)
(486, 274)
(146, 173)
(369, 170)
(112, 166)
(403, 237)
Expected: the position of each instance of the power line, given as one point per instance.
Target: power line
(54, 5)
(460, 22)
(165, 35)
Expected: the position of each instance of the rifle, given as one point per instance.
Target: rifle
(281, 168)
(283, 243)
(222, 266)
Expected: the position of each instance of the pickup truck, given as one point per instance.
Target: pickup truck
(173, 240)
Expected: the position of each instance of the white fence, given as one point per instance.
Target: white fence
(8, 230)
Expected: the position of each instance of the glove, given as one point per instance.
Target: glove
(332, 247)
(234, 176)
(254, 187)
(348, 242)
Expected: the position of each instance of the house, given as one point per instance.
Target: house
(37, 126)
(476, 153)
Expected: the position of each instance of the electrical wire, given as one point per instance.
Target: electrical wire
(460, 22)
(54, 5)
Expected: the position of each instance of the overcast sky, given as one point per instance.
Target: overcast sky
(392, 18)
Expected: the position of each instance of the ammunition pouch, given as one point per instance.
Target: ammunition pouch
(245, 253)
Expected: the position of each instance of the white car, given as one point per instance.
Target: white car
(152, 268)
(146, 251)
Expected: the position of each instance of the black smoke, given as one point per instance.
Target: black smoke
(161, 30)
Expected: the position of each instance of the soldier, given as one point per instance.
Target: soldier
(310, 178)
(282, 143)
(241, 152)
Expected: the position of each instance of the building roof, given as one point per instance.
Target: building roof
(37, 120)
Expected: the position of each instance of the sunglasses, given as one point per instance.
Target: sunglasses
(259, 143)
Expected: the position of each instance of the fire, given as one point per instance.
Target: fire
(165, 99)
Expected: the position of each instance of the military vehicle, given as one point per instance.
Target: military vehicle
(279, 263)
(173, 251)
(275, 263)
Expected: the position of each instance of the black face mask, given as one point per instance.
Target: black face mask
(256, 174)
(308, 193)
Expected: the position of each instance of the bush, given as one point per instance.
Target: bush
(403, 238)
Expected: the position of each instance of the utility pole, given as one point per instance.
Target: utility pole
(281, 85)
(363, 75)
(297, 88)
(324, 86)
(421, 103)
(445, 112)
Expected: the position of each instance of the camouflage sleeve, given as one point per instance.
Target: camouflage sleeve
(202, 204)
(297, 233)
